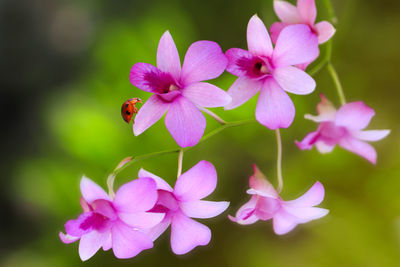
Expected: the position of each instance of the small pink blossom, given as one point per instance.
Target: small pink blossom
(266, 204)
(343, 127)
(270, 71)
(180, 91)
(117, 223)
(183, 203)
(304, 13)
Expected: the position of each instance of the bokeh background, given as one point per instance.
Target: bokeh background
(64, 75)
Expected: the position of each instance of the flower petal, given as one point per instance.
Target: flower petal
(161, 184)
(141, 220)
(196, 183)
(186, 234)
(325, 31)
(137, 195)
(168, 57)
(363, 149)
(260, 184)
(203, 209)
(67, 239)
(283, 223)
(242, 90)
(371, 135)
(355, 115)
(276, 29)
(91, 191)
(159, 229)
(286, 12)
(185, 122)
(296, 44)
(204, 60)
(308, 141)
(149, 113)
(307, 11)
(206, 95)
(324, 147)
(246, 213)
(148, 78)
(127, 242)
(294, 80)
(304, 215)
(312, 197)
(274, 108)
(90, 243)
(258, 40)
(235, 56)
(326, 111)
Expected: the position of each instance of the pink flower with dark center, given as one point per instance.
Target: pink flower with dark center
(180, 91)
(269, 71)
(266, 204)
(343, 127)
(183, 203)
(117, 223)
(304, 13)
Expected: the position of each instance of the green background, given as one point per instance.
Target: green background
(69, 74)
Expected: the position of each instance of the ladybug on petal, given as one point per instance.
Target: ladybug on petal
(129, 108)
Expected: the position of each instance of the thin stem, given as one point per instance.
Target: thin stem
(180, 161)
(279, 160)
(110, 185)
(215, 116)
(331, 12)
(336, 80)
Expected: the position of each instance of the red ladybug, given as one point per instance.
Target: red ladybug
(129, 108)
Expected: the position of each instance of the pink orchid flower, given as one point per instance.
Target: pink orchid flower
(180, 91)
(183, 203)
(270, 71)
(266, 204)
(343, 127)
(304, 13)
(117, 223)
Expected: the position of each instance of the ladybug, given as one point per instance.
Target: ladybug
(129, 108)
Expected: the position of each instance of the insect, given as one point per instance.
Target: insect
(129, 108)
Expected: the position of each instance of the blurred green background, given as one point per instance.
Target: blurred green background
(65, 68)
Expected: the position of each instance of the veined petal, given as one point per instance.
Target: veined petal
(235, 56)
(286, 12)
(355, 115)
(196, 183)
(91, 191)
(204, 60)
(168, 57)
(149, 78)
(90, 243)
(325, 31)
(258, 40)
(161, 184)
(294, 80)
(186, 234)
(371, 135)
(67, 239)
(312, 197)
(296, 44)
(141, 220)
(206, 95)
(149, 113)
(203, 209)
(185, 122)
(157, 230)
(307, 11)
(283, 222)
(246, 213)
(276, 28)
(363, 149)
(242, 90)
(274, 108)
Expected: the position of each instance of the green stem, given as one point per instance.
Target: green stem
(215, 116)
(336, 80)
(180, 162)
(279, 160)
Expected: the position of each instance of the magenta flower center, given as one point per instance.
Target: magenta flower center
(255, 67)
(96, 221)
(162, 82)
(331, 133)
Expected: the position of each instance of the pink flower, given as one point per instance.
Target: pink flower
(117, 223)
(181, 92)
(183, 203)
(270, 71)
(266, 204)
(343, 127)
(304, 13)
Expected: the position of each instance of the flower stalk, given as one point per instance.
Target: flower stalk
(180, 161)
(279, 161)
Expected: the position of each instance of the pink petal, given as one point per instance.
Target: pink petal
(247, 213)
(294, 80)
(323, 147)
(196, 183)
(360, 148)
(146, 77)
(185, 122)
(276, 29)
(258, 40)
(304, 215)
(67, 239)
(186, 234)
(168, 57)
(149, 113)
(204, 60)
(159, 229)
(108, 243)
(308, 141)
(283, 223)
(325, 31)
(206, 95)
(242, 90)
(141, 220)
(90, 243)
(127, 242)
(85, 206)
(260, 184)
(286, 12)
(104, 207)
(161, 184)
(312, 197)
(296, 44)
(267, 207)
(325, 109)
(371, 135)
(91, 191)
(135, 196)
(307, 11)
(274, 108)
(355, 115)
(235, 56)
(203, 209)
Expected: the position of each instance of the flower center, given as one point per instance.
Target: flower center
(96, 221)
